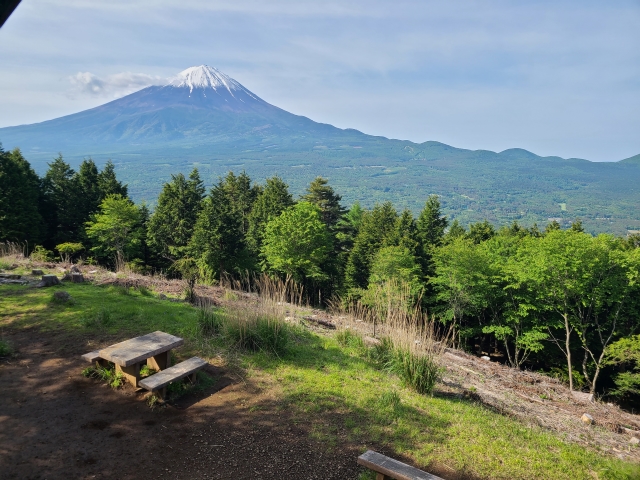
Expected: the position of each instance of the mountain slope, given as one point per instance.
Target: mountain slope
(206, 119)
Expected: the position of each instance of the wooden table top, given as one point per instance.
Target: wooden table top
(137, 349)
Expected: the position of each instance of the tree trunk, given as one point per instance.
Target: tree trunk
(568, 349)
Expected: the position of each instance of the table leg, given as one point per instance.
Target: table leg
(160, 361)
(131, 373)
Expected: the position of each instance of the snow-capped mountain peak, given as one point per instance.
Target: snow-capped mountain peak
(205, 76)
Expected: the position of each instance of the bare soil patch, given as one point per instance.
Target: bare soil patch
(56, 424)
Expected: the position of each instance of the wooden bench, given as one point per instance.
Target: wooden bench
(153, 348)
(387, 468)
(158, 381)
(92, 357)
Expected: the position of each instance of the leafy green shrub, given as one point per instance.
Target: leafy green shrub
(209, 321)
(625, 352)
(68, 250)
(137, 266)
(4, 265)
(5, 349)
(41, 254)
(561, 373)
(109, 375)
(146, 371)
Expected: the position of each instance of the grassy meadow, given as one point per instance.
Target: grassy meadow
(326, 382)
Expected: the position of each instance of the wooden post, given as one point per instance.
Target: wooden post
(161, 361)
(382, 476)
(131, 373)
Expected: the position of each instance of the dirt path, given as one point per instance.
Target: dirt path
(56, 424)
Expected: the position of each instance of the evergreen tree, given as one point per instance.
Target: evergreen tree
(171, 227)
(108, 184)
(576, 226)
(405, 234)
(62, 194)
(241, 196)
(455, 231)
(217, 241)
(20, 218)
(552, 227)
(430, 228)
(431, 224)
(89, 194)
(347, 230)
(535, 231)
(270, 203)
(377, 225)
(321, 194)
(481, 232)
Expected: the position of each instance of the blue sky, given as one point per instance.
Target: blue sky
(557, 78)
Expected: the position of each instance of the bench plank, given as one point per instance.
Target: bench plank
(165, 377)
(91, 357)
(137, 349)
(392, 468)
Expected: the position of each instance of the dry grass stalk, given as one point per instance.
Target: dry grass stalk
(267, 288)
(412, 342)
(13, 250)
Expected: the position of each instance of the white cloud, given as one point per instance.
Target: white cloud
(116, 85)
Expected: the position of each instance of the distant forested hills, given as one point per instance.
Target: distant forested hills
(207, 120)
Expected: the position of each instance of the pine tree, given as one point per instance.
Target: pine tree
(20, 218)
(455, 231)
(576, 226)
(270, 203)
(171, 227)
(430, 229)
(405, 234)
(377, 226)
(108, 184)
(481, 232)
(241, 196)
(62, 194)
(321, 194)
(431, 224)
(217, 242)
(89, 195)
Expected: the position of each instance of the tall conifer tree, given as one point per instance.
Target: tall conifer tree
(179, 204)
(270, 203)
(20, 218)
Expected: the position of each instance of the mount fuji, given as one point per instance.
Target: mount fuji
(206, 119)
(200, 105)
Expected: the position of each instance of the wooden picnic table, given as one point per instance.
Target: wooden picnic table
(154, 349)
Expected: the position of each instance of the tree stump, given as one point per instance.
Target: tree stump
(37, 272)
(77, 278)
(49, 281)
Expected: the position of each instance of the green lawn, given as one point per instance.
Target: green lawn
(334, 390)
